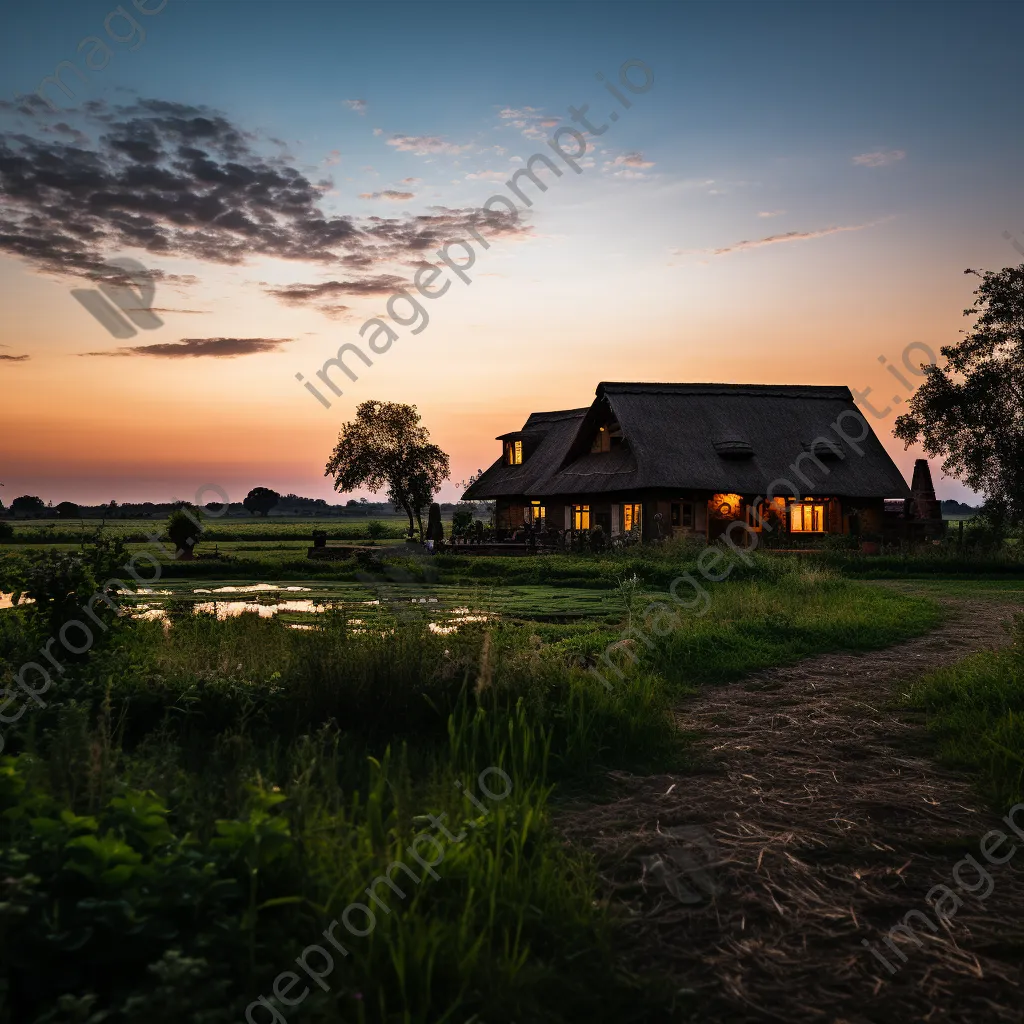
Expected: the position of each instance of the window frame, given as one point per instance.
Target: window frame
(634, 516)
(681, 515)
(818, 509)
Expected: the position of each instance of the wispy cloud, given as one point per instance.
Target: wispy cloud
(528, 120)
(634, 159)
(390, 194)
(517, 113)
(161, 309)
(217, 348)
(487, 175)
(770, 213)
(788, 236)
(426, 145)
(628, 165)
(359, 106)
(879, 158)
(13, 359)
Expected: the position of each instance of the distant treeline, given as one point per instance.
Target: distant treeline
(287, 505)
(958, 508)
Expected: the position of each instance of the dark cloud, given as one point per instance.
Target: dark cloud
(181, 181)
(414, 233)
(13, 359)
(217, 348)
(66, 130)
(336, 311)
(312, 294)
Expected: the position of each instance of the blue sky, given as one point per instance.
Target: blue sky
(798, 192)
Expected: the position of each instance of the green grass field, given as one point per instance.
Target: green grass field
(200, 798)
(224, 528)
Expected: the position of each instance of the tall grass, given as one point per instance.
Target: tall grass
(755, 625)
(975, 712)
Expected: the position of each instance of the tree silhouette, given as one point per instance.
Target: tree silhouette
(261, 500)
(28, 505)
(970, 412)
(385, 446)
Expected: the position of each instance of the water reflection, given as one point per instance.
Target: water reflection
(447, 622)
(256, 588)
(231, 609)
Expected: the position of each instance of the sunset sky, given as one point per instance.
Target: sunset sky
(796, 194)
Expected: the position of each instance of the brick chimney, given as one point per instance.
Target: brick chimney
(922, 503)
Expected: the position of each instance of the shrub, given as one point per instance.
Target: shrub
(376, 530)
(183, 530)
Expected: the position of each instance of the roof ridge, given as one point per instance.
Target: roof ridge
(687, 385)
(557, 414)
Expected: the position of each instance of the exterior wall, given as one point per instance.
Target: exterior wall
(607, 509)
(709, 522)
(872, 515)
(509, 513)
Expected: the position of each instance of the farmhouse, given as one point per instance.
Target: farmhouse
(662, 460)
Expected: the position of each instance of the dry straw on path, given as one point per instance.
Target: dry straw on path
(829, 821)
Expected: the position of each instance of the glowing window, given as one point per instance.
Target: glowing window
(514, 452)
(630, 517)
(602, 441)
(581, 517)
(537, 511)
(807, 517)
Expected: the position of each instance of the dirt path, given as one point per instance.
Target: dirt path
(816, 821)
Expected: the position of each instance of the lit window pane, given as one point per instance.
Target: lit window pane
(807, 517)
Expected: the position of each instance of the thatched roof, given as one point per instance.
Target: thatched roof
(551, 433)
(711, 437)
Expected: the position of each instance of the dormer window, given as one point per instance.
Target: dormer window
(606, 438)
(513, 453)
